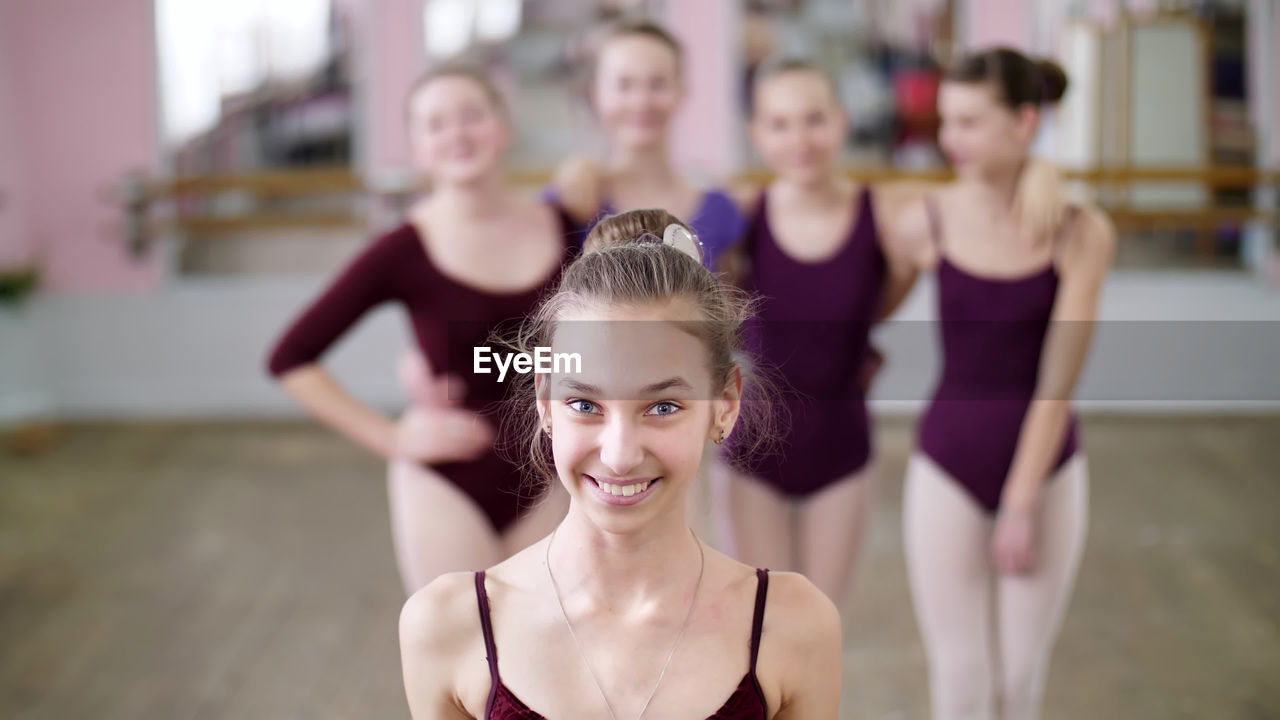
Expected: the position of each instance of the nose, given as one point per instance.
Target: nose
(457, 131)
(621, 449)
(643, 95)
(639, 101)
(797, 144)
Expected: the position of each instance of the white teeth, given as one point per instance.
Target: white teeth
(624, 490)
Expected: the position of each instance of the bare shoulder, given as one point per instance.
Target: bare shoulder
(441, 619)
(440, 637)
(800, 658)
(1095, 229)
(1091, 242)
(906, 229)
(799, 613)
(577, 182)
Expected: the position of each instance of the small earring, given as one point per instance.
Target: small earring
(547, 429)
(719, 439)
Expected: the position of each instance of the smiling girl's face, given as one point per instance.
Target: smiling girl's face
(637, 89)
(629, 431)
(456, 131)
(980, 134)
(797, 125)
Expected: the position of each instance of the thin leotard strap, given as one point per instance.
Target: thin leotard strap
(490, 649)
(757, 622)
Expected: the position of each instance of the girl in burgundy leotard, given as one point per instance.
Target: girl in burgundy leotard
(473, 255)
(812, 253)
(622, 611)
(996, 495)
(636, 90)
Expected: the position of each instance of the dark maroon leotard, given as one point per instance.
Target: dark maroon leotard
(993, 332)
(449, 319)
(812, 331)
(746, 702)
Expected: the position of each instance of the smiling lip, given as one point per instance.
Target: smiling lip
(614, 491)
(643, 121)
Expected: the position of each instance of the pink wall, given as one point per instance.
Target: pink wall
(393, 54)
(997, 22)
(390, 36)
(707, 136)
(81, 74)
(15, 243)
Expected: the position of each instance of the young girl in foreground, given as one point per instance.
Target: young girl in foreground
(996, 496)
(623, 612)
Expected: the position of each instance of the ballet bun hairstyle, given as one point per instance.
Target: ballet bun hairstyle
(1017, 79)
(636, 259)
(467, 71)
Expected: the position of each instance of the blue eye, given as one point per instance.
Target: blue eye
(586, 407)
(664, 408)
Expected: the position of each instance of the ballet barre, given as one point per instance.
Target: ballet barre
(183, 195)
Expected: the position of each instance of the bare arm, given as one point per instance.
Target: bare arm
(901, 232)
(363, 284)
(808, 637)
(426, 434)
(578, 184)
(1085, 261)
(323, 398)
(436, 624)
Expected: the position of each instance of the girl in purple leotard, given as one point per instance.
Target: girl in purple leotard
(812, 253)
(623, 612)
(636, 91)
(996, 495)
(472, 255)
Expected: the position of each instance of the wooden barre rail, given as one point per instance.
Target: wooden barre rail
(248, 222)
(1125, 218)
(343, 180)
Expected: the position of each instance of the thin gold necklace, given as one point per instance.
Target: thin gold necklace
(702, 565)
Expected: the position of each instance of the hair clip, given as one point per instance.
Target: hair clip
(677, 236)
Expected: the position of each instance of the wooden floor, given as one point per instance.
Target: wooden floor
(245, 571)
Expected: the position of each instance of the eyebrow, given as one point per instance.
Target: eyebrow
(668, 384)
